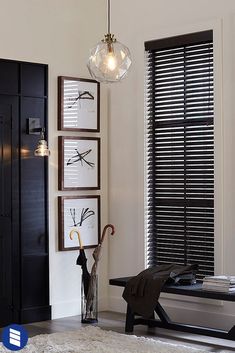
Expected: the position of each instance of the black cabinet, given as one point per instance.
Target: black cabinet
(24, 263)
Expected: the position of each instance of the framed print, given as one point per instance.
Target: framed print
(78, 104)
(81, 213)
(79, 163)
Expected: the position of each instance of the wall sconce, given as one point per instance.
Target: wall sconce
(34, 128)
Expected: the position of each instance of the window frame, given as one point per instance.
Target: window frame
(218, 146)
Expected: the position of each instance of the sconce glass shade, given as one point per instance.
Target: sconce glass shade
(109, 61)
(42, 149)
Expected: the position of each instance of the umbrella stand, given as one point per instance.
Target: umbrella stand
(92, 291)
(82, 261)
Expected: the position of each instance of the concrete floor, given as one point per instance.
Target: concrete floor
(116, 322)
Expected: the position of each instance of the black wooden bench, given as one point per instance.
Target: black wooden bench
(164, 321)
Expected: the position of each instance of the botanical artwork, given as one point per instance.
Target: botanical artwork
(78, 104)
(79, 161)
(79, 213)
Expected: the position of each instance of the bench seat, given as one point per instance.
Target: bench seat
(164, 321)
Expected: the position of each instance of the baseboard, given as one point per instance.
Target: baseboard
(103, 304)
(117, 304)
(66, 309)
(184, 314)
(35, 314)
(73, 308)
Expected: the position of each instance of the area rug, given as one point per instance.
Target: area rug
(92, 339)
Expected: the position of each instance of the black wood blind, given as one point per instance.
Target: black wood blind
(180, 151)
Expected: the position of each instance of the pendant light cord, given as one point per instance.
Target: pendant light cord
(108, 16)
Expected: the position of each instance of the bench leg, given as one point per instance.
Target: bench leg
(165, 322)
(231, 333)
(162, 314)
(130, 317)
(151, 323)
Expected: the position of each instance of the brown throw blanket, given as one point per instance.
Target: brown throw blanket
(142, 291)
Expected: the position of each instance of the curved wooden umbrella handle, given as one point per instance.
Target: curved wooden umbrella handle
(79, 237)
(105, 230)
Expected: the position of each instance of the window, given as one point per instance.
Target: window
(180, 151)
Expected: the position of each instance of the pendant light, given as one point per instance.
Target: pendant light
(42, 148)
(110, 60)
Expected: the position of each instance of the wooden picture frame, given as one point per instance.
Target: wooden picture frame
(79, 163)
(78, 104)
(81, 213)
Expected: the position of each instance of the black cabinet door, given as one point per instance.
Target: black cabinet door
(24, 265)
(5, 212)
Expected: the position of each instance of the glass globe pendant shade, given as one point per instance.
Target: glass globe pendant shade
(109, 61)
(42, 148)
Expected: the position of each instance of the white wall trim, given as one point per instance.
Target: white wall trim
(217, 27)
(218, 147)
(73, 308)
(66, 309)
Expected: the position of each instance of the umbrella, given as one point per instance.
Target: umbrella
(96, 256)
(82, 261)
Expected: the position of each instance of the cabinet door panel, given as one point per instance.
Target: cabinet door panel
(33, 81)
(5, 214)
(9, 75)
(33, 186)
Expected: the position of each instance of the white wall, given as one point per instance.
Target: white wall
(134, 22)
(59, 33)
